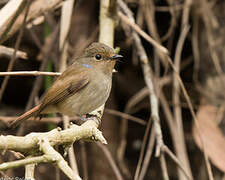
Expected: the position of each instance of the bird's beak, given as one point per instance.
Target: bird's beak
(116, 56)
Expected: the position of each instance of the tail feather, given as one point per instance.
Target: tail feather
(33, 112)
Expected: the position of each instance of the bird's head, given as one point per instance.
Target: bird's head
(99, 55)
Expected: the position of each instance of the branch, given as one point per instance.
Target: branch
(9, 13)
(29, 171)
(29, 143)
(148, 77)
(53, 155)
(8, 52)
(42, 143)
(142, 33)
(22, 162)
(17, 44)
(29, 73)
(13, 23)
(111, 161)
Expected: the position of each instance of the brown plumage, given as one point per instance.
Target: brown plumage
(81, 88)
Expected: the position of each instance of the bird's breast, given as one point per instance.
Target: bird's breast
(88, 98)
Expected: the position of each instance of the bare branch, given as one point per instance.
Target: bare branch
(23, 162)
(26, 144)
(29, 73)
(13, 58)
(53, 155)
(142, 33)
(148, 77)
(37, 9)
(8, 52)
(111, 161)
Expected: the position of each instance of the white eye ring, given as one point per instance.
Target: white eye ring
(98, 56)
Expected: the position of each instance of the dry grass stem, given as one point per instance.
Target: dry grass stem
(148, 155)
(141, 157)
(29, 73)
(8, 52)
(9, 14)
(13, 58)
(37, 9)
(111, 161)
(149, 82)
(125, 116)
(160, 56)
(180, 147)
(142, 33)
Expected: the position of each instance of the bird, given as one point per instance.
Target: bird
(83, 87)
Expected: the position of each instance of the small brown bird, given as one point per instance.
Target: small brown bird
(81, 88)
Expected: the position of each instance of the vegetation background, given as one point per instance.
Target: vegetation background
(192, 145)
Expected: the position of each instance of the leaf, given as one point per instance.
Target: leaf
(211, 135)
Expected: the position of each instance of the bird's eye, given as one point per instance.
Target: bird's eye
(98, 56)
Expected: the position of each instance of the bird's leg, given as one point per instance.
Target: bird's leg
(95, 115)
(94, 118)
(91, 117)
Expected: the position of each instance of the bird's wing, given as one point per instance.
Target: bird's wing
(64, 87)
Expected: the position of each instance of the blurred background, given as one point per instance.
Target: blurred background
(194, 34)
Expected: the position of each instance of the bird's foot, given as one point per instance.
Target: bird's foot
(94, 118)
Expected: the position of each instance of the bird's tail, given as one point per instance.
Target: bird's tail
(33, 112)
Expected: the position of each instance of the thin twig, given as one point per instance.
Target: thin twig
(49, 42)
(210, 39)
(164, 168)
(195, 47)
(107, 24)
(180, 147)
(18, 40)
(209, 170)
(9, 13)
(176, 7)
(139, 96)
(186, 12)
(174, 158)
(149, 82)
(148, 155)
(18, 163)
(71, 153)
(173, 23)
(41, 47)
(37, 9)
(29, 73)
(49, 45)
(142, 33)
(29, 171)
(8, 52)
(53, 155)
(111, 161)
(125, 116)
(169, 117)
(152, 28)
(84, 160)
(141, 156)
(149, 15)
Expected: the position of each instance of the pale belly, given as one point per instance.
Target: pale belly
(86, 100)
